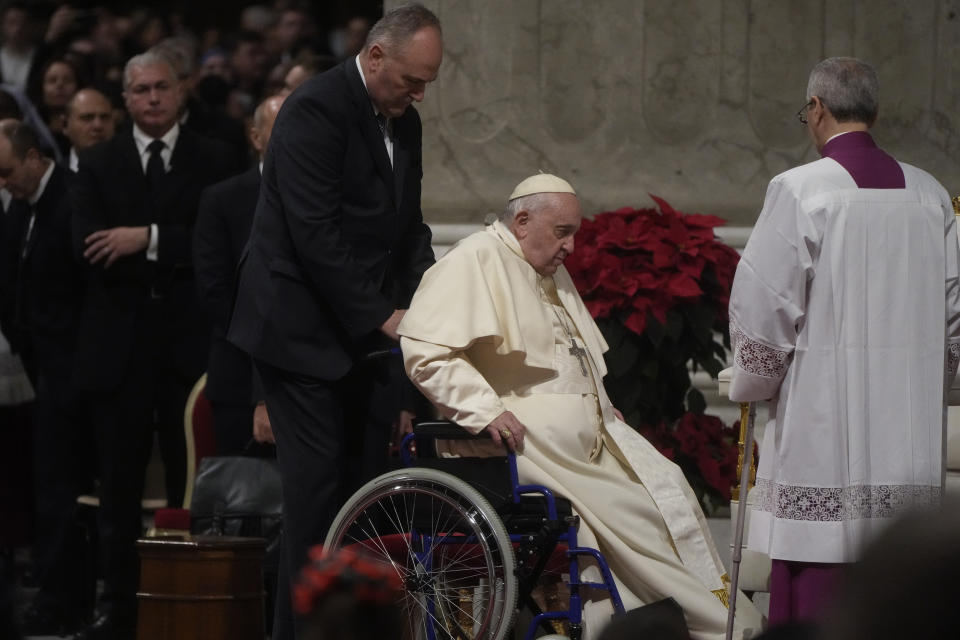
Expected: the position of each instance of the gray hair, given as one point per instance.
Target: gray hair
(848, 87)
(398, 25)
(148, 58)
(531, 203)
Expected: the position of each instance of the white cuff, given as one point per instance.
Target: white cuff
(153, 243)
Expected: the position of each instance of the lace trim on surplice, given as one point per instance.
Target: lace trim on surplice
(953, 359)
(755, 357)
(834, 504)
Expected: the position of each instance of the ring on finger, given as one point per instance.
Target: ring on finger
(506, 433)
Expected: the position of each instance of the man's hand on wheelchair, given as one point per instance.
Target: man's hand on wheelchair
(507, 430)
(400, 428)
(262, 431)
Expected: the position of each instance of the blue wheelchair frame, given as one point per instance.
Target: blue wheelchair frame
(574, 613)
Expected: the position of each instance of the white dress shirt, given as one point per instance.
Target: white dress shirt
(143, 141)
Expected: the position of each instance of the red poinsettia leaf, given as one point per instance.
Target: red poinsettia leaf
(691, 266)
(601, 308)
(664, 255)
(701, 220)
(683, 286)
(663, 204)
(636, 322)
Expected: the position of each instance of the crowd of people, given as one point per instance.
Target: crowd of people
(117, 264)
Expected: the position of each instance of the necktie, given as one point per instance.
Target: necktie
(382, 123)
(155, 168)
(28, 236)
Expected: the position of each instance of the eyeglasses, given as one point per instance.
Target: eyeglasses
(802, 114)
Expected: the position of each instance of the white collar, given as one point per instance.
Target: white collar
(143, 140)
(363, 79)
(836, 135)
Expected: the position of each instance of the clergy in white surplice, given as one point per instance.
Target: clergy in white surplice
(845, 313)
(499, 339)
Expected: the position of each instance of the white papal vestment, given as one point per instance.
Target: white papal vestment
(845, 310)
(484, 334)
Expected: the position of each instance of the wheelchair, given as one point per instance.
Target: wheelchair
(469, 542)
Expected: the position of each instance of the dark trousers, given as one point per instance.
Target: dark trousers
(233, 426)
(331, 438)
(17, 424)
(63, 468)
(151, 391)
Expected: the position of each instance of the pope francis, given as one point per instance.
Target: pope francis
(499, 340)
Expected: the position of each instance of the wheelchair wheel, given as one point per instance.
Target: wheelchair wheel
(448, 546)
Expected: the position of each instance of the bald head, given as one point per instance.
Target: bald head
(263, 119)
(89, 118)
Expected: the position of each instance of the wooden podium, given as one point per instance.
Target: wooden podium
(203, 587)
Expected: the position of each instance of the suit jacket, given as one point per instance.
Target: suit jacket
(223, 227)
(216, 125)
(111, 190)
(48, 290)
(338, 239)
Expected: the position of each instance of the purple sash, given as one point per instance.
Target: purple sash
(868, 165)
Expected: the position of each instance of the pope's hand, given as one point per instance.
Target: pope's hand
(389, 328)
(109, 244)
(401, 427)
(506, 429)
(619, 415)
(262, 431)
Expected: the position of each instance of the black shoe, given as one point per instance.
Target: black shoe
(105, 627)
(43, 621)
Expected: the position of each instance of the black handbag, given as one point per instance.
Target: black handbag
(239, 496)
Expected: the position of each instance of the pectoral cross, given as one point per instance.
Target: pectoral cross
(580, 354)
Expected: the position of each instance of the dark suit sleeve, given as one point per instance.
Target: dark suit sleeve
(213, 264)
(175, 239)
(87, 209)
(416, 251)
(173, 244)
(90, 214)
(308, 151)
(10, 231)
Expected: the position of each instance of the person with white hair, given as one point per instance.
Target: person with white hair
(498, 338)
(845, 312)
(142, 340)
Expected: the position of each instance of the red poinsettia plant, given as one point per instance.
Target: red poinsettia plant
(658, 281)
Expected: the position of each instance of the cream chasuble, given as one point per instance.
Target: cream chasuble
(484, 334)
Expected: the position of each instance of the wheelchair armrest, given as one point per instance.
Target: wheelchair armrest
(444, 430)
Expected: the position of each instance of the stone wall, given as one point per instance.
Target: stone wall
(692, 100)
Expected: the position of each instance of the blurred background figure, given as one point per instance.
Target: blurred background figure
(59, 80)
(306, 65)
(89, 120)
(905, 585)
(346, 596)
(224, 219)
(354, 35)
(48, 291)
(293, 30)
(19, 44)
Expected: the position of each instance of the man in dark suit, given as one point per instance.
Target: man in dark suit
(47, 293)
(337, 248)
(143, 338)
(223, 227)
